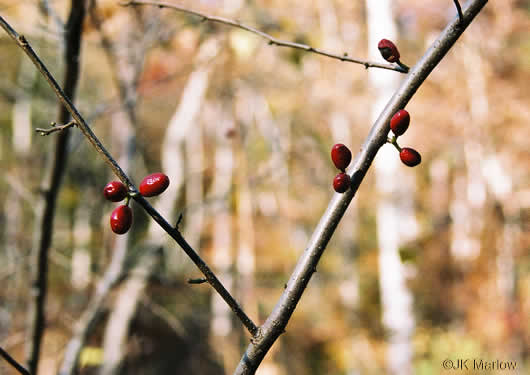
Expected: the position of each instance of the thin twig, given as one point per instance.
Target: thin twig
(275, 324)
(459, 11)
(96, 143)
(55, 128)
(272, 40)
(13, 362)
(197, 281)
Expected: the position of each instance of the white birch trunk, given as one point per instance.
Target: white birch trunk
(246, 254)
(222, 248)
(184, 122)
(22, 129)
(395, 297)
(117, 330)
(194, 149)
(21, 144)
(467, 208)
(81, 275)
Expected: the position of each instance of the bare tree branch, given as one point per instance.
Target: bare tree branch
(275, 324)
(13, 362)
(55, 128)
(51, 186)
(272, 40)
(98, 146)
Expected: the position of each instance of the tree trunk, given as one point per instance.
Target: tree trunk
(396, 298)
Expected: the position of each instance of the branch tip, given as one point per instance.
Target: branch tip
(271, 40)
(55, 128)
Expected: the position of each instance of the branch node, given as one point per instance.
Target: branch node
(179, 220)
(197, 281)
(459, 11)
(22, 40)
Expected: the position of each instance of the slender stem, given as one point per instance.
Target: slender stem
(275, 324)
(96, 143)
(459, 11)
(51, 185)
(393, 141)
(55, 128)
(13, 362)
(272, 40)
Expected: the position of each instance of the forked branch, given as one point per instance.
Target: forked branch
(96, 143)
(55, 128)
(459, 11)
(275, 324)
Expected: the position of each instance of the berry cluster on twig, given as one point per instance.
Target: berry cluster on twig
(399, 123)
(341, 157)
(115, 191)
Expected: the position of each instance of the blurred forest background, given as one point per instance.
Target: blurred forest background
(428, 263)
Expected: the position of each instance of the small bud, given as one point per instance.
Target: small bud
(388, 50)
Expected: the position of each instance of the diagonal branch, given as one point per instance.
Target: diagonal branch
(96, 143)
(272, 40)
(51, 185)
(13, 362)
(275, 324)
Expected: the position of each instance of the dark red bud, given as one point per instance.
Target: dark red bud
(341, 182)
(121, 219)
(154, 184)
(341, 156)
(410, 157)
(388, 50)
(400, 122)
(115, 191)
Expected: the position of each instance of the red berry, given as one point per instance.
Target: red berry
(341, 156)
(154, 184)
(400, 122)
(341, 182)
(388, 50)
(115, 191)
(410, 157)
(121, 219)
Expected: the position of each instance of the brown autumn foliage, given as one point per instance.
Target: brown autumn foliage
(273, 108)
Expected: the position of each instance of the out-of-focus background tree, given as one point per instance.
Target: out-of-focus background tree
(244, 130)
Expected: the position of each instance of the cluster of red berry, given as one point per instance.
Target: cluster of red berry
(401, 119)
(115, 191)
(399, 123)
(341, 156)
